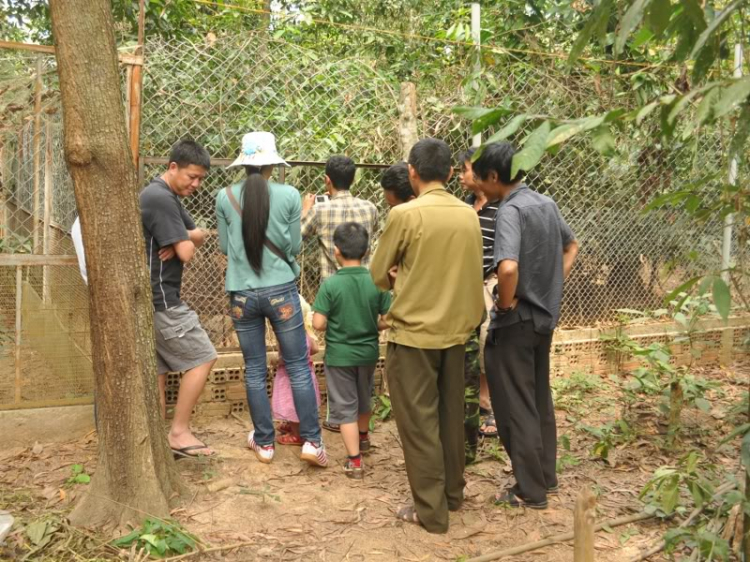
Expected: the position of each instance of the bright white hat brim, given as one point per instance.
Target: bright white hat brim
(259, 160)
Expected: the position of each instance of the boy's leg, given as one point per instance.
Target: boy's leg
(341, 385)
(484, 389)
(350, 436)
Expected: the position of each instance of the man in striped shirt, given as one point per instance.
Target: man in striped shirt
(486, 210)
(321, 220)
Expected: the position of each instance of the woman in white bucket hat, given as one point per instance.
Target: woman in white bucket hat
(260, 233)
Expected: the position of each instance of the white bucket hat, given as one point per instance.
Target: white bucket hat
(258, 149)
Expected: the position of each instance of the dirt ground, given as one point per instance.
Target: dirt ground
(290, 511)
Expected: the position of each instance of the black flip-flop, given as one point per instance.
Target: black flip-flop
(489, 421)
(184, 453)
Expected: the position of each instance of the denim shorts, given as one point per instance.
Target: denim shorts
(181, 343)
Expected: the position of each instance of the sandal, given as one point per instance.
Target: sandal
(488, 427)
(285, 427)
(408, 514)
(289, 439)
(336, 428)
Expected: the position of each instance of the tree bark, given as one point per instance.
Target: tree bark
(135, 476)
(407, 123)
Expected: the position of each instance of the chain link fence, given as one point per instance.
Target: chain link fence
(216, 91)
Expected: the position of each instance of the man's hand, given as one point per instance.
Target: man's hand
(392, 273)
(197, 237)
(308, 202)
(166, 253)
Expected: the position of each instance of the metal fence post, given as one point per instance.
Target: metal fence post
(476, 34)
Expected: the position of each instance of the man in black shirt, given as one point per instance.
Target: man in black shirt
(534, 253)
(171, 241)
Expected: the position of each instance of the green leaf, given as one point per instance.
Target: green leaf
(713, 26)
(564, 132)
(36, 532)
(705, 109)
(739, 430)
(741, 134)
(659, 13)
(745, 453)
(642, 37)
(532, 151)
(489, 119)
(629, 22)
(704, 61)
(128, 539)
(722, 298)
(703, 404)
(602, 140)
(645, 111)
(670, 495)
(82, 479)
(508, 130)
(76, 469)
(595, 24)
(685, 287)
(729, 98)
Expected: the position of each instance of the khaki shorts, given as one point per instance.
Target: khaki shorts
(181, 343)
(489, 302)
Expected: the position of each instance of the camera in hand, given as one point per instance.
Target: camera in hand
(321, 198)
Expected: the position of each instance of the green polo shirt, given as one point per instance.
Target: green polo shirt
(352, 304)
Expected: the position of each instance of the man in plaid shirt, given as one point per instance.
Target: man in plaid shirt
(320, 220)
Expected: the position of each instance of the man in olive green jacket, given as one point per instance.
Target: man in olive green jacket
(430, 254)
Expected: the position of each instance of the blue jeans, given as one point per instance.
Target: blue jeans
(280, 304)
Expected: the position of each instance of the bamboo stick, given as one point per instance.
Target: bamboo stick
(563, 537)
(19, 308)
(583, 527)
(37, 152)
(47, 208)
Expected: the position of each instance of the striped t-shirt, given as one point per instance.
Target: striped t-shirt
(487, 216)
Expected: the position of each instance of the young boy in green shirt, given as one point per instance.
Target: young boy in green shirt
(350, 309)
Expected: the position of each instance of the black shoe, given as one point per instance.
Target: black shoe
(513, 500)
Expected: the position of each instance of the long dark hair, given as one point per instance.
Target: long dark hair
(255, 208)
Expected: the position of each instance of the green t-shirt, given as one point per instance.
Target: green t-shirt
(352, 304)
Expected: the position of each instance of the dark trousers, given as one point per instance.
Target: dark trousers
(427, 393)
(517, 363)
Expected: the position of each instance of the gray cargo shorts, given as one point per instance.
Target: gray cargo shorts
(349, 392)
(181, 343)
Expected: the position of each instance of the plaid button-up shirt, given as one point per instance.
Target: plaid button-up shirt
(323, 218)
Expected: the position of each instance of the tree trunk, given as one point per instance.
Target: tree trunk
(407, 123)
(135, 475)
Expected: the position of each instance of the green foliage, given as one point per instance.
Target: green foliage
(381, 409)
(78, 475)
(608, 436)
(566, 459)
(13, 243)
(662, 492)
(572, 391)
(159, 538)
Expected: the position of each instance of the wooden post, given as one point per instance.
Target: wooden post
(134, 91)
(37, 152)
(19, 297)
(583, 527)
(47, 207)
(3, 193)
(407, 122)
